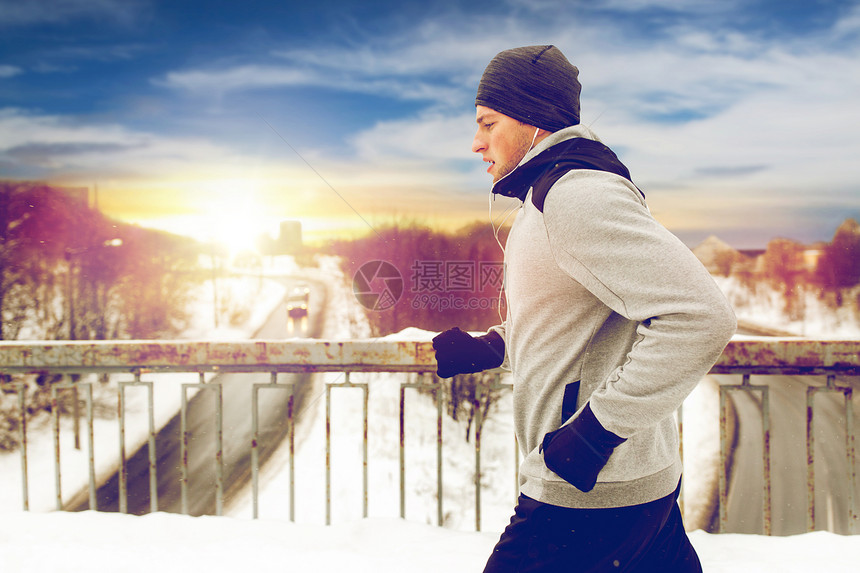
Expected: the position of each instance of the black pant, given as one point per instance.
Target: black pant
(641, 538)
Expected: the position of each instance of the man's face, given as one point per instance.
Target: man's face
(501, 140)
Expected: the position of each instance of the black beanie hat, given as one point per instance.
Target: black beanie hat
(534, 84)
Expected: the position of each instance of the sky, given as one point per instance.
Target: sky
(220, 119)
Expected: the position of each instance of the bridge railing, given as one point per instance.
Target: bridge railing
(744, 357)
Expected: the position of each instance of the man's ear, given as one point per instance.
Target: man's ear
(542, 133)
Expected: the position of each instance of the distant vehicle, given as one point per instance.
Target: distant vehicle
(297, 302)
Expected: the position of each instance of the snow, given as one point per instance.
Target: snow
(101, 542)
(765, 306)
(42, 540)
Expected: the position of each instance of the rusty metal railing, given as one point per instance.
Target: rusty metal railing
(788, 356)
(743, 357)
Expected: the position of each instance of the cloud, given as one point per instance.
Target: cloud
(50, 154)
(431, 137)
(439, 47)
(684, 6)
(218, 82)
(849, 24)
(389, 67)
(19, 127)
(437, 60)
(730, 170)
(88, 150)
(30, 12)
(635, 7)
(98, 53)
(705, 102)
(7, 71)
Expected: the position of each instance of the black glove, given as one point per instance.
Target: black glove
(579, 450)
(459, 352)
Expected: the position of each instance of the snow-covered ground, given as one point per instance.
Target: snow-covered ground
(94, 542)
(166, 543)
(765, 306)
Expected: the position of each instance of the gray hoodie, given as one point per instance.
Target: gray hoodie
(600, 294)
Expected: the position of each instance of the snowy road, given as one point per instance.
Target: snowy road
(237, 434)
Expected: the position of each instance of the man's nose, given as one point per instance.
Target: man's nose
(478, 144)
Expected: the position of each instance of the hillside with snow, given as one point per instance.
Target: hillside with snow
(804, 290)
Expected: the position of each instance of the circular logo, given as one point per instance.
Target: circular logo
(377, 285)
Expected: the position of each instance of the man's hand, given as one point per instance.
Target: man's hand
(458, 352)
(578, 451)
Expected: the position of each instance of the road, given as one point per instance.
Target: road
(787, 397)
(237, 433)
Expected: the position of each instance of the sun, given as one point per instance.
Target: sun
(233, 215)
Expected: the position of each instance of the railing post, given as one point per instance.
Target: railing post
(765, 423)
(153, 457)
(810, 450)
(810, 459)
(183, 448)
(91, 459)
(402, 465)
(365, 477)
(680, 418)
(58, 484)
(436, 387)
(480, 395)
(479, 421)
(724, 467)
(365, 485)
(440, 400)
(255, 430)
(852, 469)
(123, 471)
(255, 456)
(292, 445)
(745, 386)
(76, 412)
(328, 454)
(21, 388)
(153, 469)
(219, 451)
(55, 410)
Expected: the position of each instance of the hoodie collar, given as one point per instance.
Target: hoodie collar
(574, 147)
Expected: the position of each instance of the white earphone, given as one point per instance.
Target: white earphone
(505, 214)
